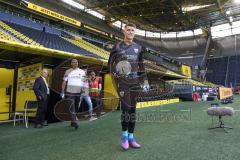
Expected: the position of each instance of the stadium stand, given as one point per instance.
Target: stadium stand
(18, 23)
(217, 70)
(49, 40)
(38, 25)
(191, 82)
(233, 75)
(78, 41)
(27, 22)
(4, 35)
(17, 34)
(86, 40)
(164, 71)
(224, 70)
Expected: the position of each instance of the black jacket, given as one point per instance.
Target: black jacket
(40, 88)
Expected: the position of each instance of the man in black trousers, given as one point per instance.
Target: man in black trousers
(41, 91)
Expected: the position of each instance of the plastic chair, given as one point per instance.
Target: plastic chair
(29, 107)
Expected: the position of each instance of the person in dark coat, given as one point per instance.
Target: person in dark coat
(41, 91)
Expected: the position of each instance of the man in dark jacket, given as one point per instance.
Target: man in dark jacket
(41, 91)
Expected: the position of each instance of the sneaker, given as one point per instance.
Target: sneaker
(74, 124)
(125, 144)
(45, 124)
(38, 126)
(92, 119)
(133, 143)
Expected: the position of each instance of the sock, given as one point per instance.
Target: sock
(130, 136)
(124, 133)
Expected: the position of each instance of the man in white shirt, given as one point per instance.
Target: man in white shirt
(73, 79)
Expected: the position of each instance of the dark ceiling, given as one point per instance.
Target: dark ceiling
(166, 15)
(9, 59)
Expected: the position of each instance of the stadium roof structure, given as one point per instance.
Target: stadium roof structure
(167, 15)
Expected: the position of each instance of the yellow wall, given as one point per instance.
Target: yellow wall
(186, 70)
(26, 78)
(6, 79)
(110, 100)
(225, 92)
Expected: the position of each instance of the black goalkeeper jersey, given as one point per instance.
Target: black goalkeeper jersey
(126, 66)
(127, 60)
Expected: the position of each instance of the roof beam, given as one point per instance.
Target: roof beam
(122, 4)
(222, 12)
(189, 19)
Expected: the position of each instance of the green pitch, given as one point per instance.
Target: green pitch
(163, 139)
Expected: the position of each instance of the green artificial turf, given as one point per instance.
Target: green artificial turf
(161, 138)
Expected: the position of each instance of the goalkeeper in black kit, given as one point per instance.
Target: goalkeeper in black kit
(127, 68)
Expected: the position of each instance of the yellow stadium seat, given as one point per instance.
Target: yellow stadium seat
(16, 34)
(29, 41)
(89, 47)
